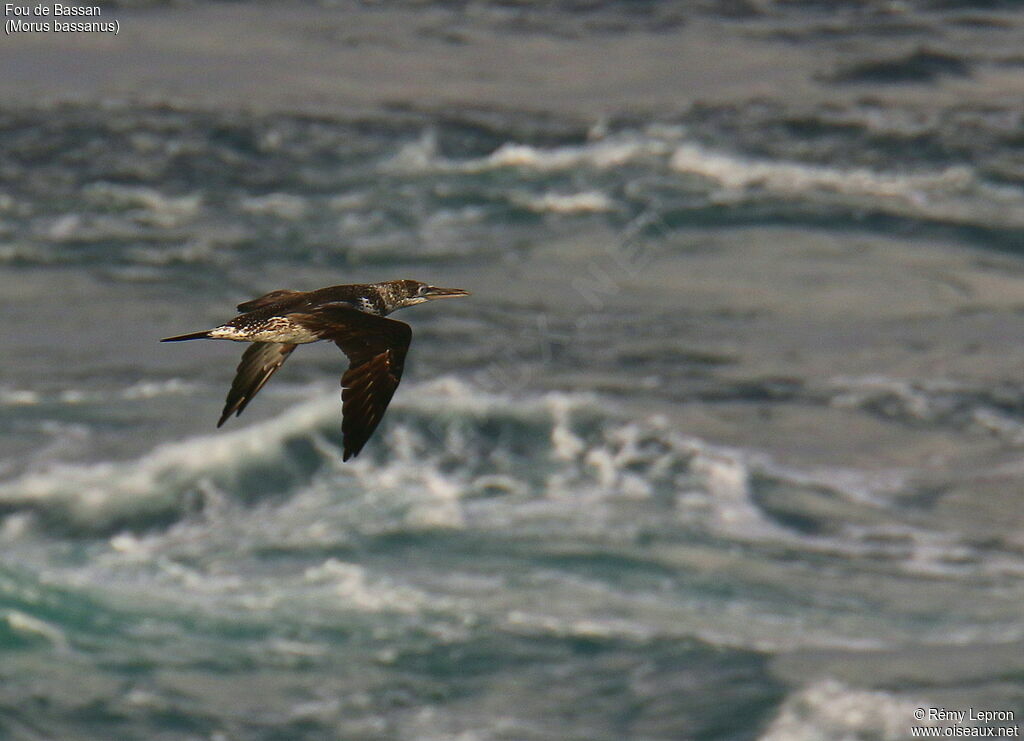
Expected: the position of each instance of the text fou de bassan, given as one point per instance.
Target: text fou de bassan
(42, 18)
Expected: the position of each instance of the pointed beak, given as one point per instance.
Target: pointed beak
(434, 292)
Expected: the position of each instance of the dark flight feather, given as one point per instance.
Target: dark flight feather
(259, 362)
(376, 348)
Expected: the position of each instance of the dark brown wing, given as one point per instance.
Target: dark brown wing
(259, 362)
(267, 299)
(376, 349)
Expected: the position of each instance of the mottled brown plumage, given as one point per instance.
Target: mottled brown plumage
(353, 317)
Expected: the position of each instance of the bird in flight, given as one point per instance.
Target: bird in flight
(351, 316)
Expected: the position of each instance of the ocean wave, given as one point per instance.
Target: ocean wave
(30, 627)
(269, 458)
(590, 201)
(450, 194)
(141, 391)
(631, 522)
(609, 152)
(280, 205)
(953, 195)
(18, 397)
(935, 402)
(737, 172)
(447, 447)
(921, 65)
(357, 589)
(152, 206)
(830, 709)
(162, 486)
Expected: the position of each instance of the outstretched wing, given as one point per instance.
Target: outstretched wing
(376, 348)
(267, 299)
(259, 362)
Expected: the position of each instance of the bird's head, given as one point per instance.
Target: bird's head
(411, 292)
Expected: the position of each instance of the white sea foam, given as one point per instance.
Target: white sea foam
(414, 156)
(20, 622)
(712, 484)
(726, 477)
(153, 389)
(18, 397)
(162, 210)
(435, 470)
(357, 590)
(65, 227)
(520, 621)
(137, 392)
(953, 194)
(605, 153)
(96, 493)
(609, 152)
(591, 201)
(580, 451)
(736, 172)
(829, 710)
(935, 401)
(281, 205)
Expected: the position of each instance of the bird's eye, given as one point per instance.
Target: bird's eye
(422, 290)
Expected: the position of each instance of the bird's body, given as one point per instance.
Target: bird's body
(353, 316)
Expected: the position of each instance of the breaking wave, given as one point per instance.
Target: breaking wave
(829, 709)
(452, 457)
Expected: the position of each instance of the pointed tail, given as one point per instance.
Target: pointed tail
(183, 337)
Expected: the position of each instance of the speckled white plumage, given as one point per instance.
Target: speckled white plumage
(272, 329)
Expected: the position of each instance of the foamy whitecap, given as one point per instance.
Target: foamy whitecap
(152, 389)
(25, 624)
(414, 156)
(357, 590)
(137, 392)
(791, 177)
(829, 710)
(163, 210)
(97, 494)
(163, 480)
(613, 151)
(447, 444)
(18, 397)
(520, 621)
(604, 153)
(953, 194)
(65, 227)
(933, 401)
(566, 203)
(727, 480)
(280, 205)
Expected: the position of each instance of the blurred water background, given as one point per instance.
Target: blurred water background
(727, 445)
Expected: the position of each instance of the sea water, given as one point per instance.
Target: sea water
(727, 444)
